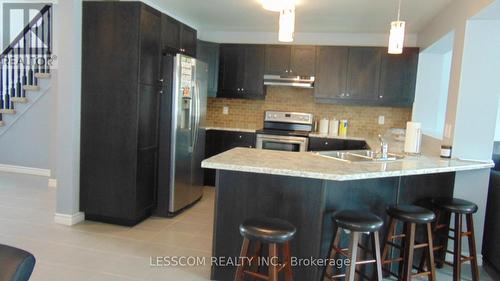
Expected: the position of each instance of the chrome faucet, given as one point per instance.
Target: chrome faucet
(384, 148)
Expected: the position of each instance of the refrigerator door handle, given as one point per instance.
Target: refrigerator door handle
(196, 106)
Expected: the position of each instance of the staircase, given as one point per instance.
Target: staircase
(26, 61)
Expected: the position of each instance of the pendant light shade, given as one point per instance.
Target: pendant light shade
(287, 25)
(397, 37)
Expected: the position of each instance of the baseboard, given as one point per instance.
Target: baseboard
(69, 219)
(24, 170)
(52, 182)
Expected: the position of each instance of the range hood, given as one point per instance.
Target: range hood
(289, 81)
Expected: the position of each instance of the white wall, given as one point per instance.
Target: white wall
(497, 130)
(26, 143)
(431, 93)
(472, 96)
(68, 30)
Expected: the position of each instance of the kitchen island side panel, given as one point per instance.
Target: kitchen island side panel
(242, 195)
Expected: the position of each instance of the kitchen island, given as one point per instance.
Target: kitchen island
(305, 189)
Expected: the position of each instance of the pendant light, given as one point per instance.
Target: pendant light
(397, 35)
(287, 24)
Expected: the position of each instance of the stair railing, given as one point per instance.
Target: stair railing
(28, 54)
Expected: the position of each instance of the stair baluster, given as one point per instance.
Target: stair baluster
(30, 64)
(6, 100)
(42, 53)
(49, 51)
(37, 69)
(25, 78)
(13, 79)
(18, 66)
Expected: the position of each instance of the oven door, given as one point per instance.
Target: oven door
(282, 143)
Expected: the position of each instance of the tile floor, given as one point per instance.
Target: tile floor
(93, 251)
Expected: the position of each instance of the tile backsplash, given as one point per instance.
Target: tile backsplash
(249, 114)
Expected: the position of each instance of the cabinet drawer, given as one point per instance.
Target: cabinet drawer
(324, 144)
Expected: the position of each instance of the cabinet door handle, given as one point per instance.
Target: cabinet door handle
(380, 97)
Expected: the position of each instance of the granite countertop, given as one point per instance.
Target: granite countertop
(311, 165)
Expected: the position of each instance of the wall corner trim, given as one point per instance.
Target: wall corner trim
(52, 182)
(69, 219)
(24, 170)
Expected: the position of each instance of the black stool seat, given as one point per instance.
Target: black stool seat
(358, 221)
(455, 205)
(411, 213)
(15, 264)
(268, 230)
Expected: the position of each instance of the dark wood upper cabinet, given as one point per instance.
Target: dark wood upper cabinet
(170, 33)
(188, 40)
(241, 71)
(253, 84)
(177, 37)
(231, 70)
(303, 60)
(398, 75)
(278, 59)
(363, 73)
(150, 47)
(208, 52)
(290, 60)
(331, 72)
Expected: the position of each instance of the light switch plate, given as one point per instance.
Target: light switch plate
(225, 110)
(381, 120)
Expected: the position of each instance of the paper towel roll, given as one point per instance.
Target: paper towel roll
(334, 128)
(323, 126)
(413, 138)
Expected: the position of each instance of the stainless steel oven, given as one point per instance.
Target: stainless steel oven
(284, 143)
(285, 131)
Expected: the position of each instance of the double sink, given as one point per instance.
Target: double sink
(360, 156)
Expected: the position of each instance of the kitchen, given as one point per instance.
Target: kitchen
(278, 136)
(332, 122)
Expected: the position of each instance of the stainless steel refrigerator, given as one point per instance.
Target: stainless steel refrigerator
(181, 133)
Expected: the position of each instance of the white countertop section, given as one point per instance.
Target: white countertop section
(230, 129)
(310, 165)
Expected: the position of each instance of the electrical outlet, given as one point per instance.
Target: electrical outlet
(225, 110)
(381, 120)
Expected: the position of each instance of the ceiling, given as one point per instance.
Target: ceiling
(313, 16)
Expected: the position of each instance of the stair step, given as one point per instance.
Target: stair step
(19, 100)
(42, 75)
(31, 88)
(7, 111)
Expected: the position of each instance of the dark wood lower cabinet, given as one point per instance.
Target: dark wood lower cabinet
(327, 144)
(308, 204)
(219, 141)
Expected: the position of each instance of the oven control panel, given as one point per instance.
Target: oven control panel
(289, 117)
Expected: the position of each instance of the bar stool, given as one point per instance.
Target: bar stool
(269, 231)
(459, 208)
(411, 216)
(357, 223)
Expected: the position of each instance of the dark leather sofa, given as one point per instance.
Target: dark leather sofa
(15, 264)
(491, 247)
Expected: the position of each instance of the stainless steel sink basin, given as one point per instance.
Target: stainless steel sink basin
(360, 156)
